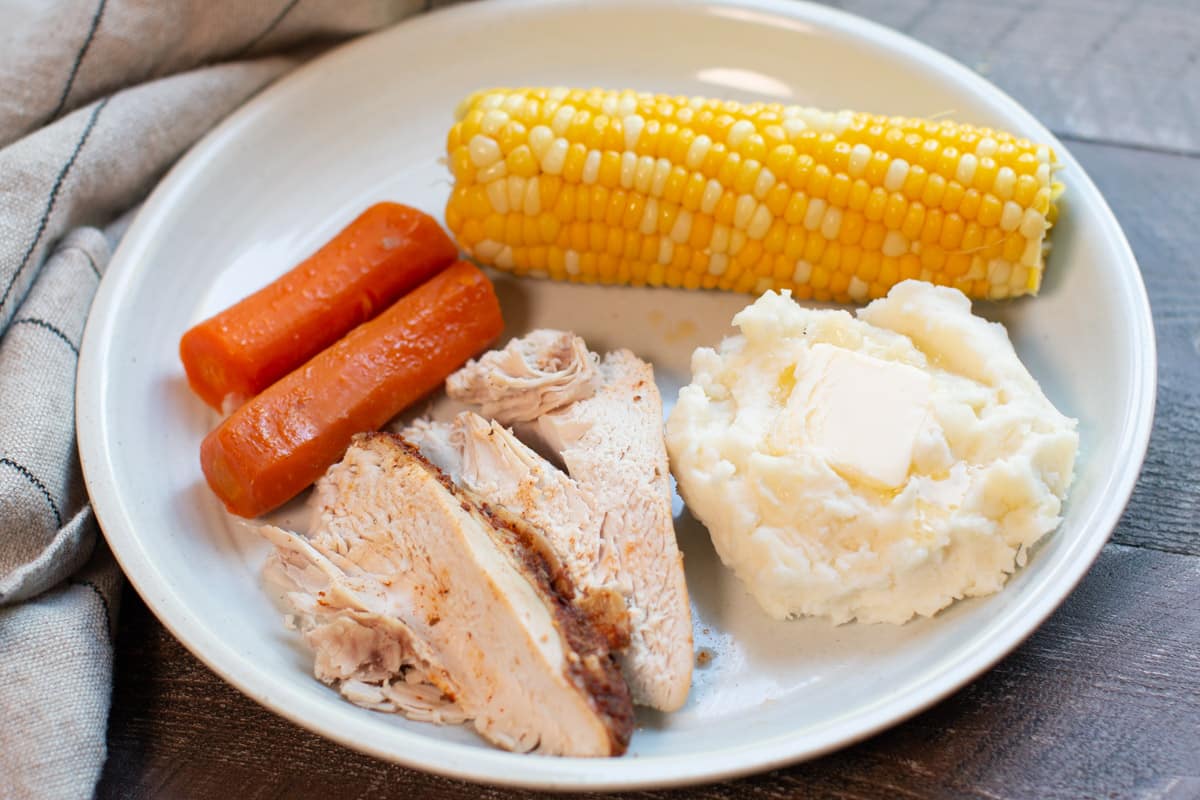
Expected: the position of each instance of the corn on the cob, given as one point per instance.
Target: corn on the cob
(634, 188)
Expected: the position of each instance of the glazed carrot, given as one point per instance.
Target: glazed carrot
(279, 442)
(387, 251)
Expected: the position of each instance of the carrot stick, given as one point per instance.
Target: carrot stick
(387, 251)
(278, 443)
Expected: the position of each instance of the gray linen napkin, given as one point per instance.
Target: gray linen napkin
(97, 99)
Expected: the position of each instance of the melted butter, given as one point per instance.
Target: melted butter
(865, 414)
(784, 385)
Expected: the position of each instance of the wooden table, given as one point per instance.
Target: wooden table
(1103, 701)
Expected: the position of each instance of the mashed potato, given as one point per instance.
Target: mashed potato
(869, 468)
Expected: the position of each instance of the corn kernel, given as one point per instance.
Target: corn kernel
(747, 176)
(675, 184)
(814, 248)
(461, 166)
(933, 257)
(968, 207)
(777, 199)
(781, 159)
(725, 209)
(814, 213)
(798, 175)
(589, 185)
(819, 180)
(666, 218)
(693, 192)
(935, 189)
(876, 204)
(895, 211)
(914, 222)
(972, 239)
(873, 235)
(952, 232)
(776, 237)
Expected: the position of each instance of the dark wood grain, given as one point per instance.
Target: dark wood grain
(1122, 71)
(1103, 701)
(1156, 197)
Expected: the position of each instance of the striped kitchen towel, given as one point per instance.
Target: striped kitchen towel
(97, 99)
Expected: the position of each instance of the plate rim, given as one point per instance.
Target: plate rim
(575, 774)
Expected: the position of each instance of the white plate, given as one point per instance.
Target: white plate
(368, 122)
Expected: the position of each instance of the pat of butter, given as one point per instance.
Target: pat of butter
(866, 413)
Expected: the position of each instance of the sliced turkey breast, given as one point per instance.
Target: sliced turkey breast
(488, 459)
(372, 657)
(539, 372)
(611, 442)
(466, 598)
